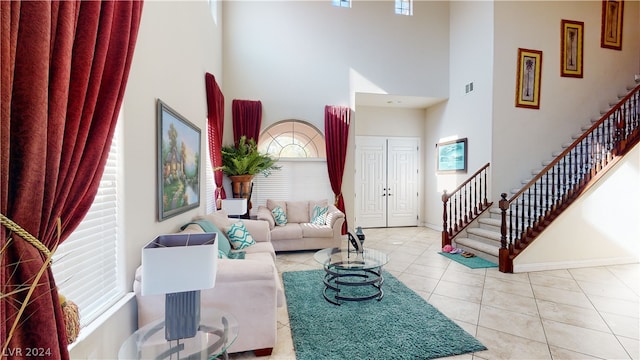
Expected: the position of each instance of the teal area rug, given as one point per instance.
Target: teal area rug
(400, 326)
(472, 262)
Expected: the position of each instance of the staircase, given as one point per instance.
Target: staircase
(502, 232)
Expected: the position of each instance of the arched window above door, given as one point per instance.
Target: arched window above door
(293, 139)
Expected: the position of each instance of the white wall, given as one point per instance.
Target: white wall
(464, 115)
(600, 228)
(298, 56)
(523, 138)
(178, 42)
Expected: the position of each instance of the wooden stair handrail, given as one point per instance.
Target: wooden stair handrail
(456, 219)
(574, 144)
(622, 133)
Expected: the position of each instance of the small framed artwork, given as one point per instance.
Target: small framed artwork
(528, 79)
(611, 29)
(571, 48)
(452, 156)
(178, 163)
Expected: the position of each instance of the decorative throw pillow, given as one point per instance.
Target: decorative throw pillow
(319, 215)
(279, 216)
(239, 236)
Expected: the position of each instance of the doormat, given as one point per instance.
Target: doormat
(472, 262)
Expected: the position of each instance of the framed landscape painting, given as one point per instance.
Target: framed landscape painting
(452, 156)
(178, 163)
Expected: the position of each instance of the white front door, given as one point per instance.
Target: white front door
(402, 182)
(386, 181)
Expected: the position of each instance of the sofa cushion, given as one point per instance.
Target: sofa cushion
(223, 243)
(298, 211)
(279, 216)
(319, 215)
(320, 203)
(316, 231)
(272, 204)
(239, 236)
(219, 218)
(290, 231)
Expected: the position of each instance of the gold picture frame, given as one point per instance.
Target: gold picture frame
(611, 29)
(528, 79)
(571, 48)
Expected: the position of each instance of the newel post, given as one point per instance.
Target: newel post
(445, 233)
(505, 263)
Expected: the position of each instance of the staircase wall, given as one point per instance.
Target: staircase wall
(602, 227)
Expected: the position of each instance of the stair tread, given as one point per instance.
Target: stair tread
(479, 246)
(491, 235)
(490, 221)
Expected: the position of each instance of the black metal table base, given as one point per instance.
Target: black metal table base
(336, 284)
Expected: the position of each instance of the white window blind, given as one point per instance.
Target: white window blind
(297, 180)
(85, 265)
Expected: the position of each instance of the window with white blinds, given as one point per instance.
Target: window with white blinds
(297, 180)
(86, 266)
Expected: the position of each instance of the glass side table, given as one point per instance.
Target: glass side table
(216, 333)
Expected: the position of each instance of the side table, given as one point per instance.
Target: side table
(217, 331)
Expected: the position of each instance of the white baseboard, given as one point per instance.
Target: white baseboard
(520, 268)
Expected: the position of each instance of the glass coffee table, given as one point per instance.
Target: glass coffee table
(211, 341)
(351, 275)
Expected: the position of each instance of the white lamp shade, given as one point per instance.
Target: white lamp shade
(235, 206)
(179, 262)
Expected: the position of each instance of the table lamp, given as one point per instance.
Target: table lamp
(235, 207)
(179, 266)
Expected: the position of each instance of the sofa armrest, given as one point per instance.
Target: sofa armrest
(334, 215)
(258, 229)
(265, 214)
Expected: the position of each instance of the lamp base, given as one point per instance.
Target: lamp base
(182, 315)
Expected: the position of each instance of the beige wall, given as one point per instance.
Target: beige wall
(601, 228)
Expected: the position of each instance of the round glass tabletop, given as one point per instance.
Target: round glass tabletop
(338, 258)
(217, 331)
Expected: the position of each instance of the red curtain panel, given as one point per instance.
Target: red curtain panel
(336, 134)
(215, 127)
(64, 70)
(247, 118)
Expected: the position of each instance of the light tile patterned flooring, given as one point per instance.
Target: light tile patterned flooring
(587, 313)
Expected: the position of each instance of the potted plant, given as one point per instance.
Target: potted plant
(242, 162)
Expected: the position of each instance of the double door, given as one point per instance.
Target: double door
(386, 181)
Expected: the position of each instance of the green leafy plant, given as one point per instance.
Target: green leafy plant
(245, 159)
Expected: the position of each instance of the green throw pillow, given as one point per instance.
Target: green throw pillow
(279, 216)
(239, 236)
(319, 215)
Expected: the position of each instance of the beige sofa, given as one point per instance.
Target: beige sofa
(249, 288)
(299, 233)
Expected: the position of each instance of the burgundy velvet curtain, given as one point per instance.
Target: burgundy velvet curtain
(247, 118)
(215, 127)
(64, 70)
(336, 134)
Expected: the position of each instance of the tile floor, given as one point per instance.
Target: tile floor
(588, 313)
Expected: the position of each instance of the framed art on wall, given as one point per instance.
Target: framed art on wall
(571, 48)
(452, 156)
(528, 78)
(611, 29)
(178, 163)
